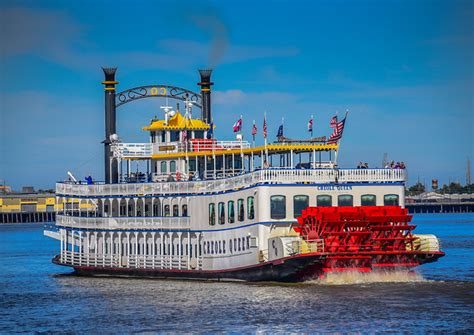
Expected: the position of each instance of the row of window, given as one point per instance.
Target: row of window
(174, 135)
(166, 210)
(219, 247)
(231, 211)
(164, 168)
(300, 202)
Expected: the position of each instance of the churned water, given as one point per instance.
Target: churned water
(37, 296)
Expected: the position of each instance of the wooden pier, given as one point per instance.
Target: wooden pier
(28, 217)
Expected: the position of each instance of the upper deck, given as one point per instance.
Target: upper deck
(264, 176)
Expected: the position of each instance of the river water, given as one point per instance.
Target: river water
(37, 296)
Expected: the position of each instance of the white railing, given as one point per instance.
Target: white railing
(134, 150)
(167, 222)
(146, 150)
(266, 176)
(129, 262)
(212, 145)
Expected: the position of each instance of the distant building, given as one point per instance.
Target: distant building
(36, 203)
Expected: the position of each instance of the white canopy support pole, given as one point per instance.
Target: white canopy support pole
(223, 165)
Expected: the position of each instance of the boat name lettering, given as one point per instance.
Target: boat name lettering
(167, 147)
(332, 188)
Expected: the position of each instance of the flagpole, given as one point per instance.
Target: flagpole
(312, 125)
(253, 135)
(266, 149)
(241, 125)
(340, 140)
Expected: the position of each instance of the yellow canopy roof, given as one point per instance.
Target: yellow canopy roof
(177, 122)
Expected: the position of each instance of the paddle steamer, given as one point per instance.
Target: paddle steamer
(230, 210)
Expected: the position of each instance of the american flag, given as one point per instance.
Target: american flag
(337, 133)
(254, 129)
(333, 122)
(237, 125)
(310, 125)
(264, 126)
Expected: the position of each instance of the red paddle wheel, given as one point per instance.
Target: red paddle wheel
(360, 238)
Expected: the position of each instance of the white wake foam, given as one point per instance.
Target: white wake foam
(354, 277)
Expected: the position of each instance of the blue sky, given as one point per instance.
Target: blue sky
(404, 69)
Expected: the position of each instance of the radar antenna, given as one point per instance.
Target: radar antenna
(169, 112)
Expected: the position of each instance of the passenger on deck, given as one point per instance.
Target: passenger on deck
(191, 176)
(266, 165)
(170, 177)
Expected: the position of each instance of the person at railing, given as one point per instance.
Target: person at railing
(190, 176)
(400, 166)
(170, 178)
(266, 165)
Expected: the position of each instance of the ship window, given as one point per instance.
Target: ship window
(240, 208)
(199, 134)
(278, 207)
(368, 200)
(230, 212)
(345, 200)
(184, 210)
(212, 214)
(390, 200)
(192, 165)
(235, 244)
(243, 244)
(172, 166)
(250, 208)
(238, 241)
(163, 136)
(167, 210)
(174, 136)
(230, 245)
(163, 167)
(324, 201)
(221, 213)
(300, 202)
(223, 246)
(248, 242)
(175, 210)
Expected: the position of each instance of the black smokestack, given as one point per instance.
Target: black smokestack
(206, 94)
(111, 166)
